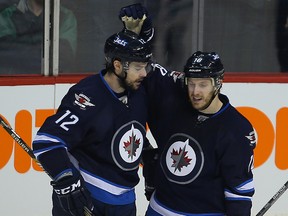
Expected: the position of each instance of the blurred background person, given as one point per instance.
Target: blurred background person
(22, 33)
(96, 20)
(173, 38)
(243, 33)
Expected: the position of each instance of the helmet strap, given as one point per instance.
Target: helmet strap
(123, 78)
(125, 69)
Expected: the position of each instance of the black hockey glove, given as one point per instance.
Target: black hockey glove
(136, 11)
(135, 18)
(73, 197)
(150, 160)
(148, 191)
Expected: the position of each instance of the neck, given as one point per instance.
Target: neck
(114, 82)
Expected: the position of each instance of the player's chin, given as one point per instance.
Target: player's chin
(136, 85)
(196, 104)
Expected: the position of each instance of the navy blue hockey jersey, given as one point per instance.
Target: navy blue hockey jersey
(102, 136)
(206, 161)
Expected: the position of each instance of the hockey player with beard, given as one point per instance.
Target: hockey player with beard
(206, 145)
(92, 146)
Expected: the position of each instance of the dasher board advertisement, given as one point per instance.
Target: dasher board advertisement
(25, 190)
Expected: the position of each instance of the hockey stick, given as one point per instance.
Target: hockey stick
(27, 149)
(273, 199)
(18, 139)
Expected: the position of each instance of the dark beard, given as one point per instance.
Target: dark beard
(123, 82)
(125, 85)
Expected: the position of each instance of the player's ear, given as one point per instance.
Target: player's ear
(117, 66)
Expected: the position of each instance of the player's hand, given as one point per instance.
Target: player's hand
(148, 191)
(135, 18)
(135, 11)
(74, 198)
(150, 159)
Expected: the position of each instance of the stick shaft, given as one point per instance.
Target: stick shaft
(273, 199)
(27, 149)
(17, 138)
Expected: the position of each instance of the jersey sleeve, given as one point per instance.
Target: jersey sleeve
(59, 134)
(165, 93)
(237, 170)
(162, 84)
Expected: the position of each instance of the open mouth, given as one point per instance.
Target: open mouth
(196, 99)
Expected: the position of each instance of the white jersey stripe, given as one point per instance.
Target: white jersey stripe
(229, 195)
(45, 138)
(113, 189)
(160, 209)
(246, 187)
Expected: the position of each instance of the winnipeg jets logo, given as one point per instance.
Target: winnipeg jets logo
(252, 138)
(132, 144)
(215, 56)
(124, 99)
(182, 159)
(127, 145)
(201, 118)
(82, 100)
(177, 75)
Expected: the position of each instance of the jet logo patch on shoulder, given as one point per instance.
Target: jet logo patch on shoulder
(252, 138)
(83, 101)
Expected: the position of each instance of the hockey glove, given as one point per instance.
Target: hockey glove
(148, 191)
(135, 18)
(150, 159)
(73, 197)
